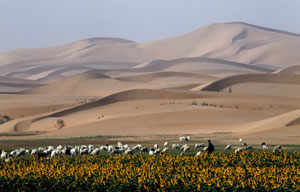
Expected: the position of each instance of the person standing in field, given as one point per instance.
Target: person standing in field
(210, 147)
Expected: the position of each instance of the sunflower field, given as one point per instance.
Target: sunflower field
(247, 171)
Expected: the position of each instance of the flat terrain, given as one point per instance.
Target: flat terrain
(223, 81)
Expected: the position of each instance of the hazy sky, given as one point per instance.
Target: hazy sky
(42, 23)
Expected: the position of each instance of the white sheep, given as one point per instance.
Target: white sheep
(119, 144)
(238, 150)
(164, 150)
(34, 151)
(184, 138)
(96, 151)
(277, 148)
(228, 148)
(175, 146)
(166, 143)
(4, 154)
(59, 147)
(186, 149)
(198, 145)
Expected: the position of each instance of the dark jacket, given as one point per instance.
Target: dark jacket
(211, 147)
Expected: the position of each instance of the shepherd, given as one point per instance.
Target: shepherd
(210, 147)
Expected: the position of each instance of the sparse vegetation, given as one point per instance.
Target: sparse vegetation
(4, 119)
(60, 123)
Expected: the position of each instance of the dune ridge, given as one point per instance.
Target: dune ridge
(227, 42)
(246, 78)
(294, 69)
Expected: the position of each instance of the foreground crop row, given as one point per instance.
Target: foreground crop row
(250, 171)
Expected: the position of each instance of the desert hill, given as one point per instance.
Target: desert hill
(223, 81)
(236, 42)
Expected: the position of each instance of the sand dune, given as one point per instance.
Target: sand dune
(237, 42)
(112, 86)
(238, 79)
(294, 69)
(154, 76)
(290, 119)
(200, 65)
(67, 86)
(9, 84)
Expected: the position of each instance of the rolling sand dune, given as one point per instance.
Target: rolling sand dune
(116, 113)
(113, 86)
(236, 42)
(154, 76)
(67, 86)
(201, 65)
(274, 124)
(295, 69)
(9, 84)
(238, 79)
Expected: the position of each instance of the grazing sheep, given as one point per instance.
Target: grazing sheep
(96, 151)
(119, 144)
(129, 151)
(103, 148)
(74, 151)
(41, 148)
(41, 155)
(248, 147)
(228, 148)
(164, 150)
(157, 151)
(244, 144)
(184, 138)
(91, 147)
(184, 146)
(205, 148)
(241, 140)
(34, 151)
(4, 154)
(126, 146)
(116, 152)
(144, 150)
(186, 149)
(59, 147)
(152, 151)
(198, 153)
(238, 150)
(84, 151)
(277, 148)
(166, 143)
(263, 143)
(28, 151)
(110, 148)
(138, 147)
(175, 146)
(265, 147)
(198, 145)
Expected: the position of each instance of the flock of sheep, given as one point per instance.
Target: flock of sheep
(50, 151)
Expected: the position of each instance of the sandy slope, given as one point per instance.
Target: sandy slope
(152, 112)
(250, 78)
(237, 42)
(294, 69)
(111, 86)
